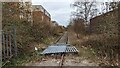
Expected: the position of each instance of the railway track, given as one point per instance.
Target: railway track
(60, 59)
(63, 40)
(59, 49)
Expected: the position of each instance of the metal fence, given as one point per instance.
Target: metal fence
(9, 47)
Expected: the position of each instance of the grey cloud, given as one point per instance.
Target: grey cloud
(60, 11)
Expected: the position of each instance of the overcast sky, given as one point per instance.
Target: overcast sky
(59, 9)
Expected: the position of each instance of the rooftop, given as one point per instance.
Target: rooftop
(40, 8)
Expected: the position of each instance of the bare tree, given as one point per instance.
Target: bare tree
(108, 6)
(85, 10)
(113, 5)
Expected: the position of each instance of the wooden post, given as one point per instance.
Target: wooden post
(15, 45)
(10, 45)
(3, 40)
(7, 45)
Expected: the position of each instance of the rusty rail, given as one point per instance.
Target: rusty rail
(62, 60)
(58, 39)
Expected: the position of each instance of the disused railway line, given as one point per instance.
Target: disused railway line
(64, 39)
(61, 47)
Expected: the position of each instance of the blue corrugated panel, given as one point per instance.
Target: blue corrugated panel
(54, 49)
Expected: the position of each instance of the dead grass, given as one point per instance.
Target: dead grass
(84, 52)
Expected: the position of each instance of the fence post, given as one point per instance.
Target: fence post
(7, 45)
(15, 44)
(3, 44)
(10, 44)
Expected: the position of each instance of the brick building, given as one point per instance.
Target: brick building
(58, 27)
(40, 14)
(54, 23)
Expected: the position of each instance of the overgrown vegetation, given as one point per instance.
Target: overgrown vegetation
(103, 38)
(27, 35)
